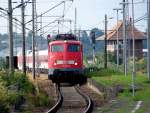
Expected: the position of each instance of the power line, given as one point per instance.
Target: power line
(46, 12)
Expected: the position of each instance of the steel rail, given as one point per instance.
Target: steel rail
(89, 106)
(59, 102)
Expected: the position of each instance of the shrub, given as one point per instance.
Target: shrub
(39, 100)
(16, 89)
(18, 81)
(4, 104)
(142, 65)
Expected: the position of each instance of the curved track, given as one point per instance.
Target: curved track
(75, 101)
(58, 104)
(89, 106)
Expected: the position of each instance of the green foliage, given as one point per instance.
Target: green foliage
(109, 78)
(4, 108)
(111, 57)
(2, 63)
(141, 65)
(26, 112)
(15, 89)
(4, 105)
(98, 61)
(18, 81)
(105, 72)
(39, 100)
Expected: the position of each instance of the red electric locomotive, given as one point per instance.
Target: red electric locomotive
(65, 60)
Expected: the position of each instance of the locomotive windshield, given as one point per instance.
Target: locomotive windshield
(57, 48)
(74, 48)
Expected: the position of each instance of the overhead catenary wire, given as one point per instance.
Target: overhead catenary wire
(56, 20)
(49, 23)
(48, 31)
(59, 17)
(45, 12)
(14, 20)
(21, 4)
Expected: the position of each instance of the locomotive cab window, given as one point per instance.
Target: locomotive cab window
(57, 48)
(73, 48)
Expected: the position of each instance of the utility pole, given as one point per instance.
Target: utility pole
(23, 37)
(58, 26)
(133, 41)
(124, 38)
(41, 31)
(70, 26)
(79, 34)
(117, 10)
(11, 59)
(33, 39)
(105, 48)
(75, 23)
(148, 39)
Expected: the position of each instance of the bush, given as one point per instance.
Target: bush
(17, 81)
(4, 104)
(142, 65)
(39, 100)
(2, 63)
(16, 89)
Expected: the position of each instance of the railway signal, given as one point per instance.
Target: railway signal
(92, 36)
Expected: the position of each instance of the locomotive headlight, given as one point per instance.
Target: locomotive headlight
(55, 64)
(76, 63)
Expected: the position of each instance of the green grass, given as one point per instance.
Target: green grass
(111, 78)
(16, 89)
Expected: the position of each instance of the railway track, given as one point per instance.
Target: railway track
(89, 106)
(71, 100)
(66, 99)
(58, 104)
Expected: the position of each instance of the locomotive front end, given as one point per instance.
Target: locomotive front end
(65, 61)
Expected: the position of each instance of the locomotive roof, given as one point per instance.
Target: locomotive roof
(65, 37)
(65, 41)
(62, 37)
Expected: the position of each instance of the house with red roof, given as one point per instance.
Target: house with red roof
(112, 40)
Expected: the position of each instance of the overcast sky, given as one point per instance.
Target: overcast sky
(90, 13)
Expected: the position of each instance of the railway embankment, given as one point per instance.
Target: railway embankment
(117, 91)
(108, 92)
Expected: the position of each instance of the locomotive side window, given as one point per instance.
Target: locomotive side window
(57, 48)
(74, 48)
